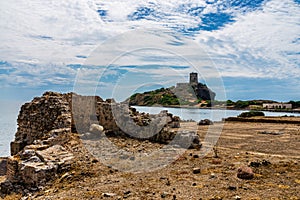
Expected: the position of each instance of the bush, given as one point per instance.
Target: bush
(229, 103)
(251, 114)
(241, 104)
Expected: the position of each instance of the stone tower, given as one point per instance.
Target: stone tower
(193, 79)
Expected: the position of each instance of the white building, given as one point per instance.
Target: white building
(271, 106)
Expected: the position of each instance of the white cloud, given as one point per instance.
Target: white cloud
(258, 43)
(41, 37)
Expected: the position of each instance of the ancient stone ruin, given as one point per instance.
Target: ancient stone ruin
(39, 152)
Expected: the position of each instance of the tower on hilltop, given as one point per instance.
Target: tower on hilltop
(193, 79)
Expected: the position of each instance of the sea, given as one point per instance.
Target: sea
(8, 125)
(199, 114)
(9, 112)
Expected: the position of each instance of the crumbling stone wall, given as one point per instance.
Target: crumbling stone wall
(75, 112)
(121, 120)
(38, 152)
(40, 116)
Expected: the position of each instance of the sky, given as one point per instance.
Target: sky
(242, 49)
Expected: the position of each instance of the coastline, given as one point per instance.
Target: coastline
(217, 108)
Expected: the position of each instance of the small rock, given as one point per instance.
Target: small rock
(237, 197)
(127, 192)
(254, 164)
(271, 132)
(205, 122)
(108, 194)
(196, 171)
(245, 173)
(231, 187)
(132, 158)
(259, 163)
(212, 175)
(168, 183)
(123, 157)
(266, 162)
(216, 161)
(164, 195)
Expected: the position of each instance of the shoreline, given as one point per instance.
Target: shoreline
(218, 108)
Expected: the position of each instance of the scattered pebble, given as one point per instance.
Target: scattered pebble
(164, 195)
(259, 163)
(127, 192)
(232, 187)
(108, 194)
(216, 161)
(196, 171)
(237, 197)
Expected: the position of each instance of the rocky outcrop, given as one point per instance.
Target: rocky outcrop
(183, 94)
(192, 92)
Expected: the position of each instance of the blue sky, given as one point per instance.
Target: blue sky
(252, 46)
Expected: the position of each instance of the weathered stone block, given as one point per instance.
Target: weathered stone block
(3, 166)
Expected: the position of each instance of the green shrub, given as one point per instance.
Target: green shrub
(251, 114)
(241, 104)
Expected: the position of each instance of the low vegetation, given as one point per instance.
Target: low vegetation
(251, 114)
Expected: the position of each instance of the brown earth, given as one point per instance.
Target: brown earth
(275, 160)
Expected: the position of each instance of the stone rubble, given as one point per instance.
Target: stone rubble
(39, 154)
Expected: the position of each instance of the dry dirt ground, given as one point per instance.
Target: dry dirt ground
(275, 162)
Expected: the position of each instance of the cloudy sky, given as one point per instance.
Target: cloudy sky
(248, 48)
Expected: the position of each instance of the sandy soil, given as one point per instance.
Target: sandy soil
(277, 170)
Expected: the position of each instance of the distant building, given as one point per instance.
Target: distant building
(193, 79)
(193, 89)
(255, 107)
(274, 106)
